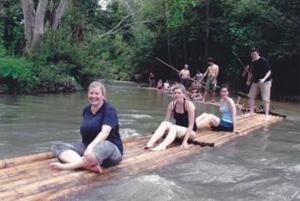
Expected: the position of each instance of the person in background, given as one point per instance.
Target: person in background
(194, 92)
(184, 76)
(244, 87)
(101, 144)
(160, 84)
(212, 73)
(261, 81)
(151, 79)
(167, 85)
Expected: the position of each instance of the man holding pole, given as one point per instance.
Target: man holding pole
(261, 80)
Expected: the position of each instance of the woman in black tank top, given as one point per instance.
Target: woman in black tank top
(183, 111)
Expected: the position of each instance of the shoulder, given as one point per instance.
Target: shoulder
(171, 105)
(189, 105)
(109, 107)
(86, 109)
(230, 102)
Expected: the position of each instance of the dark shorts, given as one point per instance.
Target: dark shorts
(223, 126)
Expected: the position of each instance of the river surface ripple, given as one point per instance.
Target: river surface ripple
(262, 166)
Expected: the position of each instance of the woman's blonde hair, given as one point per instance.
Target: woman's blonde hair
(100, 85)
(179, 86)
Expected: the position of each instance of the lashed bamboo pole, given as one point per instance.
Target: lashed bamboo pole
(144, 161)
(5, 163)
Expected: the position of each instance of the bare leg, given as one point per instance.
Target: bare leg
(267, 109)
(168, 140)
(205, 96)
(207, 121)
(202, 116)
(213, 97)
(238, 100)
(72, 161)
(251, 105)
(158, 134)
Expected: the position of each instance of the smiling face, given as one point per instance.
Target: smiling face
(95, 96)
(224, 92)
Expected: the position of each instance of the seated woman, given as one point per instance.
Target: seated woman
(227, 122)
(160, 84)
(195, 92)
(101, 143)
(183, 112)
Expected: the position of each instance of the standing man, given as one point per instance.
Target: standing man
(261, 80)
(212, 73)
(151, 80)
(184, 76)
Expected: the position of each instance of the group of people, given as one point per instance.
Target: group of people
(193, 85)
(101, 144)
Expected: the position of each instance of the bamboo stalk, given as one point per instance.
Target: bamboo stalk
(135, 160)
(5, 163)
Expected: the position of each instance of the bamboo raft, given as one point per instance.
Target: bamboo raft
(30, 177)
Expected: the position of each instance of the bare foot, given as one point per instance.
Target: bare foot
(96, 168)
(158, 148)
(267, 117)
(147, 147)
(57, 166)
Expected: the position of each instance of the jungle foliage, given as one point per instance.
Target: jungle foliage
(124, 38)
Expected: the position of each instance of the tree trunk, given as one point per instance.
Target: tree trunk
(28, 13)
(38, 28)
(206, 35)
(34, 20)
(59, 12)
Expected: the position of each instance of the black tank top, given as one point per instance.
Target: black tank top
(182, 119)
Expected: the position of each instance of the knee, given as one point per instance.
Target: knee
(166, 124)
(173, 127)
(90, 160)
(58, 148)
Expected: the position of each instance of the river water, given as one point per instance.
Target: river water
(262, 166)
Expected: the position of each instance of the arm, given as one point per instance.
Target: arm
(217, 72)
(191, 115)
(105, 130)
(204, 75)
(266, 76)
(233, 112)
(180, 73)
(246, 70)
(169, 111)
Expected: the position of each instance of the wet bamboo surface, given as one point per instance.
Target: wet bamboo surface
(30, 178)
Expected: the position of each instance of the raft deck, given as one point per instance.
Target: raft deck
(30, 177)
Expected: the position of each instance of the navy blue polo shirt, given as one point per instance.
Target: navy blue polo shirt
(92, 125)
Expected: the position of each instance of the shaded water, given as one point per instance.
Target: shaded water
(263, 166)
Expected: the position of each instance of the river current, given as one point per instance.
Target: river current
(262, 166)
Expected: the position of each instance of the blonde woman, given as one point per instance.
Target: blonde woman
(101, 144)
(183, 111)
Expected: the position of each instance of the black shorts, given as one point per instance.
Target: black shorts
(223, 126)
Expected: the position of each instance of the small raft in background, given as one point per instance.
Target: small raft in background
(30, 177)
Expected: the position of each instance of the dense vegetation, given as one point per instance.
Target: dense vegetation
(122, 40)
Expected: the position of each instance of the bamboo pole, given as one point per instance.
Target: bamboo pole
(5, 163)
(61, 182)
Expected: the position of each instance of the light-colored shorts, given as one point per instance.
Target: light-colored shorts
(180, 130)
(106, 152)
(265, 90)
